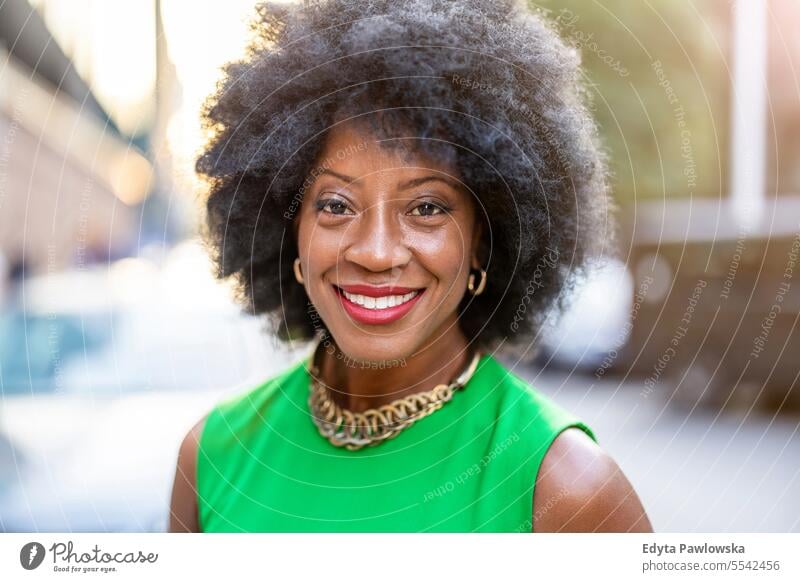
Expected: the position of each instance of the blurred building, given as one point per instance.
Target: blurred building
(70, 181)
(717, 297)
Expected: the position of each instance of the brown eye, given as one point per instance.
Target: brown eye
(332, 206)
(427, 209)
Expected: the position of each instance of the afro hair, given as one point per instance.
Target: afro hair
(487, 82)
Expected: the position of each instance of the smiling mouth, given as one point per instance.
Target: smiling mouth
(380, 302)
(377, 305)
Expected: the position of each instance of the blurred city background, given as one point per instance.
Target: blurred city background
(681, 348)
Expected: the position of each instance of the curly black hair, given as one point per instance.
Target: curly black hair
(486, 82)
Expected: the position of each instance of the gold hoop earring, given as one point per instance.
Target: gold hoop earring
(481, 285)
(298, 274)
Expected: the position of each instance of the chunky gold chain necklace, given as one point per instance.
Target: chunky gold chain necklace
(356, 430)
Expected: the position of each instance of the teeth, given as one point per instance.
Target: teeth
(380, 302)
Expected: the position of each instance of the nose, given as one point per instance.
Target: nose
(376, 241)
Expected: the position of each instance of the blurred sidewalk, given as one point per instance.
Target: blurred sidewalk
(694, 471)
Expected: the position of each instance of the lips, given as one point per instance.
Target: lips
(377, 305)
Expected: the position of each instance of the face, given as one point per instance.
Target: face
(386, 240)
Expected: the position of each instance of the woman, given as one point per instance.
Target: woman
(411, 184)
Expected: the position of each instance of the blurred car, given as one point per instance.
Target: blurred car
(102, 374)
(595, 323)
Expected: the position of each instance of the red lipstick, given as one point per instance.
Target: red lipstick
(369, 316)
(370, 291)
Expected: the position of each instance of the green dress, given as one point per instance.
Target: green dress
(262, 466)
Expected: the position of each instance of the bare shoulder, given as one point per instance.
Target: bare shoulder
(580, 488)
(183, 505)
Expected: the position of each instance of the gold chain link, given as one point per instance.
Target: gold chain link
(356, 430)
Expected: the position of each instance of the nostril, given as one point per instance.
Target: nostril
(401, 255)
(379, 257)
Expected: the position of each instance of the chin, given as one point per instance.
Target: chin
(364, 349)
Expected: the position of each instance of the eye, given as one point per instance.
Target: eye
(428, 209)
(332, 206)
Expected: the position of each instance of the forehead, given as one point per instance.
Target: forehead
(355, 151)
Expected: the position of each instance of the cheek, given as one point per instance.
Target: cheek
(445, 254)
(318, 247)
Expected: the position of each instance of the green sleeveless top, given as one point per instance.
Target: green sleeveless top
(262, 466)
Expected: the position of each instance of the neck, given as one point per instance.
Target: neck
(359, 386)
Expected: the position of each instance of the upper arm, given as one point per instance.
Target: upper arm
(580, 488)
(183, 505)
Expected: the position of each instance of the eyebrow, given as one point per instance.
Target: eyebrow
(404, 186)
(418, 181)
(341, 177)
